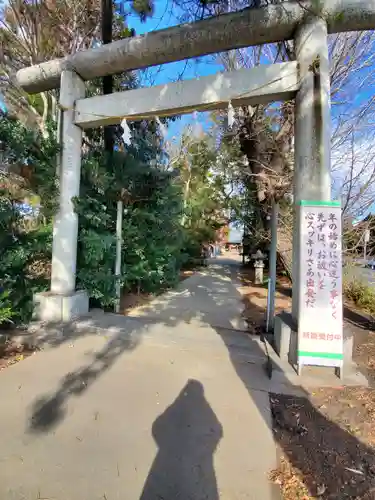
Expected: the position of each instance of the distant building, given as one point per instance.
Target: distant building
(222, 235)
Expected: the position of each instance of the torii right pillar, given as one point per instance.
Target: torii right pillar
(317, 289)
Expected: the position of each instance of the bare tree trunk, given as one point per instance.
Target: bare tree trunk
(284, 249)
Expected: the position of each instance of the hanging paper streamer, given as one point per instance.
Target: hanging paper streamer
(163, 128)
(127, 135)
(230, 115)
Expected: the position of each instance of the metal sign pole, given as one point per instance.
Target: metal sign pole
(268, 304)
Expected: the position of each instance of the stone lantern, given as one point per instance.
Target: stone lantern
(258, 258)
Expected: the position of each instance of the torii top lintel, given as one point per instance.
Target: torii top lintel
(251, 26)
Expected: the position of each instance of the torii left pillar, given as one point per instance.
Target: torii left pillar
(63, 302)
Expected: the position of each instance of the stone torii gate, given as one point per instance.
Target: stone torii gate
(307, 23)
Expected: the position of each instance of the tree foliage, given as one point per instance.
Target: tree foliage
(33, 31)
(264, 133)
(204, 198)
(151, 252)
(164, 225)
(27, 202)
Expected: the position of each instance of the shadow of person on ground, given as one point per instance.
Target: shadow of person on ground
(188, 432)
(125, 334)
(187, 435)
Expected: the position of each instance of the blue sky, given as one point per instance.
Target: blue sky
(347, 101)
(2, 105)
(235, 234)
(167, 14)
(164, 17)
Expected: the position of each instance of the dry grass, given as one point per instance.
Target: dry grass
(361, 294)
(327, 439)
(290, 480)
(327, 444)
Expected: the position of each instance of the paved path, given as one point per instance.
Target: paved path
(170, 404)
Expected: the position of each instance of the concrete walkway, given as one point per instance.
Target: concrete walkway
(171, 403)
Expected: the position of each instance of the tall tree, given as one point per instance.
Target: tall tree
(265, 133)
(205, 203)
(33, 31)
(38, 30)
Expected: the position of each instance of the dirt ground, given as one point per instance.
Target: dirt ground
(255, 300)
(326, 440)
(326, 444)
(11, 353)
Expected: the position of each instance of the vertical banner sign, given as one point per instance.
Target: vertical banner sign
(320, 330)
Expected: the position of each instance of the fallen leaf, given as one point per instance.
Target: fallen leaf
(321, 489)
